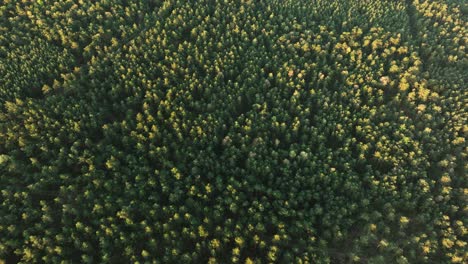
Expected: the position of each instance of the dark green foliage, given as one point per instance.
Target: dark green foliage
(328, 131)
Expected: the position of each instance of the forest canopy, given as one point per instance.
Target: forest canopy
(211, 131)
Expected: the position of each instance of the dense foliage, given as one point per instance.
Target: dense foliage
(276, 131)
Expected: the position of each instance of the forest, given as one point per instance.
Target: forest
(221, 131)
